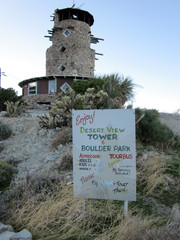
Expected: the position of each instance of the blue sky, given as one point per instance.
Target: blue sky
(141, 40)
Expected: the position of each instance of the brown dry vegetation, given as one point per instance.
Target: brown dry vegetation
(49, 211)
(63, 137)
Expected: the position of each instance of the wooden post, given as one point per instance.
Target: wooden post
(140, 119)
(125, 208)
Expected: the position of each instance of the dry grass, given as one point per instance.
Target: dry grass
(50, 212)
(151, 175)
(130, 228)
(63, 136)
(66, 164)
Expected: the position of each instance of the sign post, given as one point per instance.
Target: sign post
(104, 154)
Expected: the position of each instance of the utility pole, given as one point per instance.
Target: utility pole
(1, 74)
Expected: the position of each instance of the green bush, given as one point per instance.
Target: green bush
(150, 131)
(6, 173)
(8, 94)
(80, 87)
(5, 131)
(115, 85)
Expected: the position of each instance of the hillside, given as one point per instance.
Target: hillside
(43, 203)
(172, 121)
(31, 147)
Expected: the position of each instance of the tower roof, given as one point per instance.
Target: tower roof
(76, 14)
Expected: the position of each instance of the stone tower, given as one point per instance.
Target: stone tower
(70, 53)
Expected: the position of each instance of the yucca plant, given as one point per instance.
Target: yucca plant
(118, 86)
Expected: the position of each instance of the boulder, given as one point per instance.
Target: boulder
(22, 235)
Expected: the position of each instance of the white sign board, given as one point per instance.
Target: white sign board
(104, 154)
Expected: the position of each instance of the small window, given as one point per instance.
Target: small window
(64, 87)
(66, 32)
(62, 68)
(62, 49)
(32, 88)
(52, 87)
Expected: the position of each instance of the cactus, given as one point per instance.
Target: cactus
(61, 111)
(13, 109)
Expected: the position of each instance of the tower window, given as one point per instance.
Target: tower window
(66, 32)
(62, 49)
(61, 67)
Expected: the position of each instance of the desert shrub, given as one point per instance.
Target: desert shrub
(1, 147)
(63, 136)
(5, 131)
(66, 163)
(61, 111)
(151, 131)
(6, 173)
(8, 94)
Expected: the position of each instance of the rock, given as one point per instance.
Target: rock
(42, 132)
(60, 148)
(51, 133)
(3, 114)
(10, 228)
(145, 157)
(51, 158)
(23, 235)
(175, 214)
(3, 228)
(6, 235)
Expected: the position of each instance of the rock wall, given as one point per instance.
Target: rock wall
(34, 101)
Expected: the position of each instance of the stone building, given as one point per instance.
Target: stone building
(70, 58)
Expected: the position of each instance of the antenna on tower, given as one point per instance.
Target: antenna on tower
(73, 4)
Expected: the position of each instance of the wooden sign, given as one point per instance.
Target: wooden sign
(104, 154)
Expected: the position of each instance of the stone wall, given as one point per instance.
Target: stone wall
(70, 55)
(33, 101)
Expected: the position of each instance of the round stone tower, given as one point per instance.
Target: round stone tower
(70, 53)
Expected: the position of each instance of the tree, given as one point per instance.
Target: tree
(81, 86)
(8, 94)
